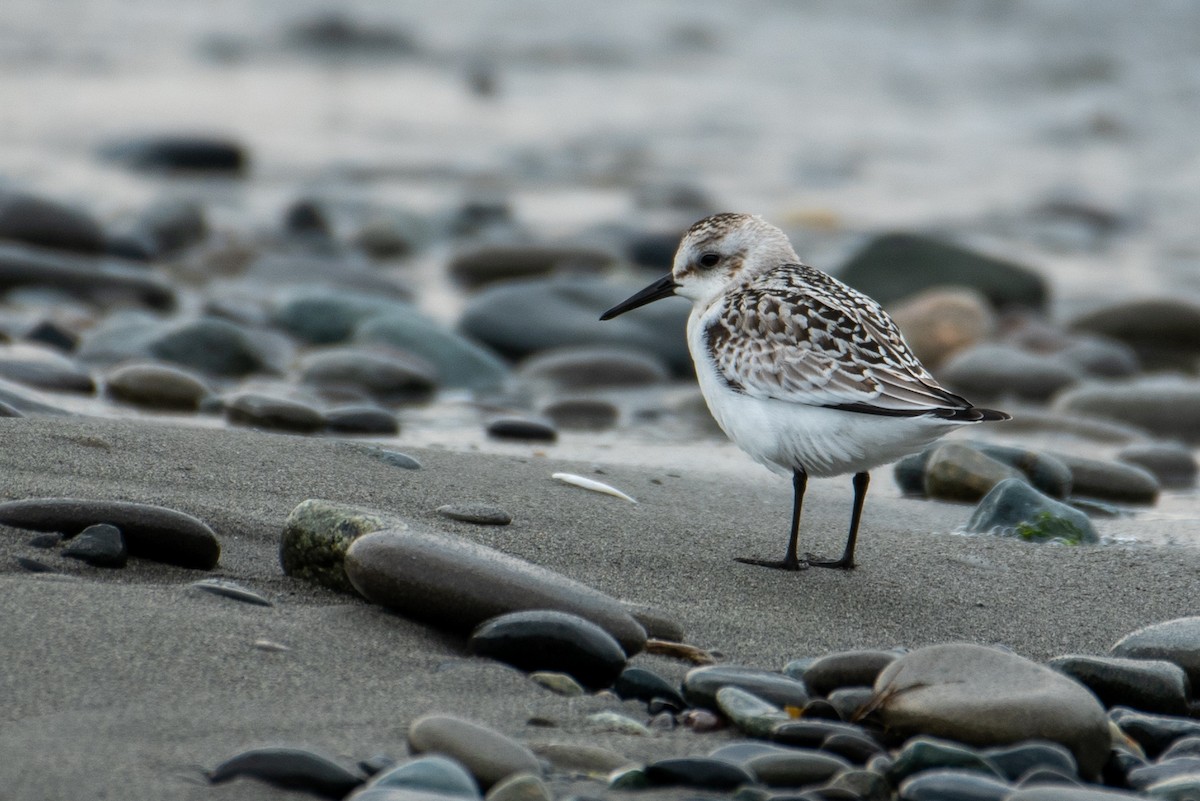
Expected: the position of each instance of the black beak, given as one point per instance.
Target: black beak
(662, 288)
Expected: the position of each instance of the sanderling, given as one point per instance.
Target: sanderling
(803, 373)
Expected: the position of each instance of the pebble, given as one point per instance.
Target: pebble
(749, 713)
(394, 458)
(582, 414)
(44, 369)
(1168, 407)
(1154, 733)
(894, 266)
(179, 153)
(558, 683)
(1111, 481)
(1045, 472)
(429, 774)
(957, 472)
(230, 589)
(481, 513)
(953, 785)
(1171, 463)
(1101, 358)
(54, 334)
(546, 640)
(863, 785)
(739, 752)
(488, 264)
(46, 223)
(984, 696)
(361, 419)
(593, 367)
(1175, 641)
(460, 362)
(156, 386)
(212, 346)
(79, 277)
(846, 669)
(1177, 788)
(698, 772)
(615, 723)
(168, 227)
(795, 767)
(1164, 332)
(852, 747)
(1144, 777)
(645, 685)
(272, 413)
(321, 316)
(593, 760)
(805, 733)
(316, 535)
(1053, 792)
(522, 428)
(289, 768)
(992, 371)
(487, 754)
(150, 532)
(1013, 508)
(701, 684)
(99, 545)
(384, 377)
(520, 787)
(657, 622)
(1151, 685)
(1015, 761)
(925, 753)
(849, 701)
(459, 584)
(939, 322)
(519, 318)
(1184, 746)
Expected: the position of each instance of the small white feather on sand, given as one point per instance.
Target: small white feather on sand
(593, 485)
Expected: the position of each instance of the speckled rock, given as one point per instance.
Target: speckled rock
(984, 696)
(150, 532)
(316, 536)
(1013, 508)
(458, 584)
(1175, 641)
(486, 753)
(156, 386)
(1151, 685)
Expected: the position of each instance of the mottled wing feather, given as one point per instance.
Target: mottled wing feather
(796, 334)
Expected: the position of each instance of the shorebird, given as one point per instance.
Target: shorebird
(805, 374)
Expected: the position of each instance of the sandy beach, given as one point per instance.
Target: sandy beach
(128, 684)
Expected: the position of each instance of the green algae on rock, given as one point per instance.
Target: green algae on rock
(316, 536)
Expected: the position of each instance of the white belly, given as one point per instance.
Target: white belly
(821, 441)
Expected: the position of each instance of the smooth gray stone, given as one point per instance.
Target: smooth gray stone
(846, 669)
(1176, 788)
(431, 774)
(1175, 641)
(1185, 746)
(1154, 733)
(1045, 472)
(1142, 778)
(1056, 792)
(44, 369)
(657, 623)
(984, 696)
(546, 640)
(150, 532)
(893, 266)
(812, 733)
(382, 376)
(480, 513)
(749, 713)
(925, 753)
(857, 749)
(487, 754)
(990, 371)
(156, 386)
(1165, 332)
(582, 414)
(953, 785)
(169, 226)
(957, 472)
(394, 458)
(1014, 761)
(290, 768)
(1164, 406)
(849, 701)
(321, 316)
(1111, 481)
(520, 787)
(83, 277)
(361, 419)
(795, 768)
(1101, 358)
(487, 264)
(460, 362)
(701, 684)
(1013, 508)
(212, 346)
(1172, 464)
(593, 367)
(100, 545)
(316, 535)
(458, 584)
(1151, 685)
(19, 401)
(33, 220)
(739, 752)
(272, 413)
(230, 589)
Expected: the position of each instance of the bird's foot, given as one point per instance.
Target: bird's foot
(817, 561)
(777, 564)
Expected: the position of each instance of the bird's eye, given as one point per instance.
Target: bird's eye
(710, 259)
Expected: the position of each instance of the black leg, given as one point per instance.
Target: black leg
(861, 480)
(791, 560)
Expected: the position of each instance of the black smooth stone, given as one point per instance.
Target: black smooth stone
(1142, 777)
(853, 747)
(700, 686)
(1016, 760)
(1154, 733)
(50, 540)
(1148, 685)
(33, 565)
(699, 772)
(522, 428)
(191, 153)
(542, 639)
(151, 532)
(953, 785)
(376, 764)
(820, 709)
(812, 733)
(1121, 762)
(101, 545)
(646, 685)
(289, 768)
(846, 669)
(361, 420)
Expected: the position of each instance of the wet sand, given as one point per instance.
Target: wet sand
(127, 684)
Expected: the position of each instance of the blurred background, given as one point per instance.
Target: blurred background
(295, 198)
